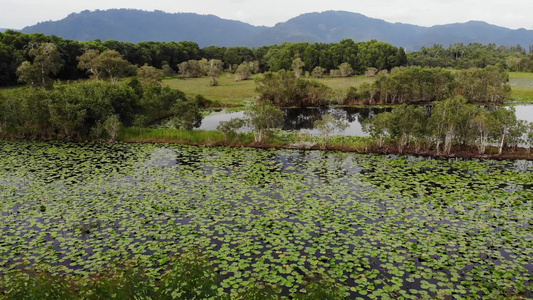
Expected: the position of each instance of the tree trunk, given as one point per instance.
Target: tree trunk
(502, 143)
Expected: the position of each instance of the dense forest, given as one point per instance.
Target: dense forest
(318, 59)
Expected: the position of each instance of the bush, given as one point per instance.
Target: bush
(284, 89)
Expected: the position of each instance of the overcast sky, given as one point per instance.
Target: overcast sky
(509, 13)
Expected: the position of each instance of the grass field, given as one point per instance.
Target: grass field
(234, 92)
(239, 93)
(228, 91)
(521, 86)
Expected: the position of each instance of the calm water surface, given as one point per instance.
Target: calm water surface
(302, 118)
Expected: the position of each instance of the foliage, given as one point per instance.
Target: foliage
(417, 84)
(475, 55)
(284, 89)
(193, 68)
(230, 127)
(451, 122)
(157, 102)
(112, 126)
(68, 111)
(318, 72)
(345, 70)
(46, 61)
(192, 277)
(413, 84)
(328, 124)
(297, 67)
(150, 76)
(108, 65)
(186, 115)
(262, 119)
(37, 284)
(83, 110)
(243, 72)
(484, 85)
(215, 69)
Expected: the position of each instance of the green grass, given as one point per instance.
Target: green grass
(521, 86)
(204, 137)
(342, 84)
(231, 92)
(228, 92)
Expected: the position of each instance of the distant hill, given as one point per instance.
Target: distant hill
(136, 26)
(333, 26)
(326, 27)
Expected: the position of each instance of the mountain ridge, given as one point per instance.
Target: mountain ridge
(131, 25)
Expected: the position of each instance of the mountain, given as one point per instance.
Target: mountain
(333, 26)
(136, 26)
(326, 27)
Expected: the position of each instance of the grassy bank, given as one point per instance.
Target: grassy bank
(296, 140)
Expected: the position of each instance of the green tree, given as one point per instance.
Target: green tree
(243, 72)
(284, 89)
(529, 137)
(379, 127)
(262, 119)
(482, 123)
(484, 85)
(108, 65)
(150, 76)
(328, 124)
(318, 72)
(182, 67)
(505, 122)
(230, 127)
(446, 121)
(112, 126)
(186, 115)
(409, 125)
(215, 69)
(46, 61)
(158, 101)
(345, 70)
(297, 67)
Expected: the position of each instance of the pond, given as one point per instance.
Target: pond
(379, 225)
(302, 119)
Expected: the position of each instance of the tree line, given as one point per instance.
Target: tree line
(460, 56)
(17, 48)
(449, 125)
(402, 85)
(424, 85)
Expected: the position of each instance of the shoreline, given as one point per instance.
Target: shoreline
(491, 153)
(519, 153)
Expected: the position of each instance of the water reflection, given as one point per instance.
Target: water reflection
(303, 118)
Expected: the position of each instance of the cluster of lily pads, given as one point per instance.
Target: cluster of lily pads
(379, 226)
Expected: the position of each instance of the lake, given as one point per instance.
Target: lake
(379, 225)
